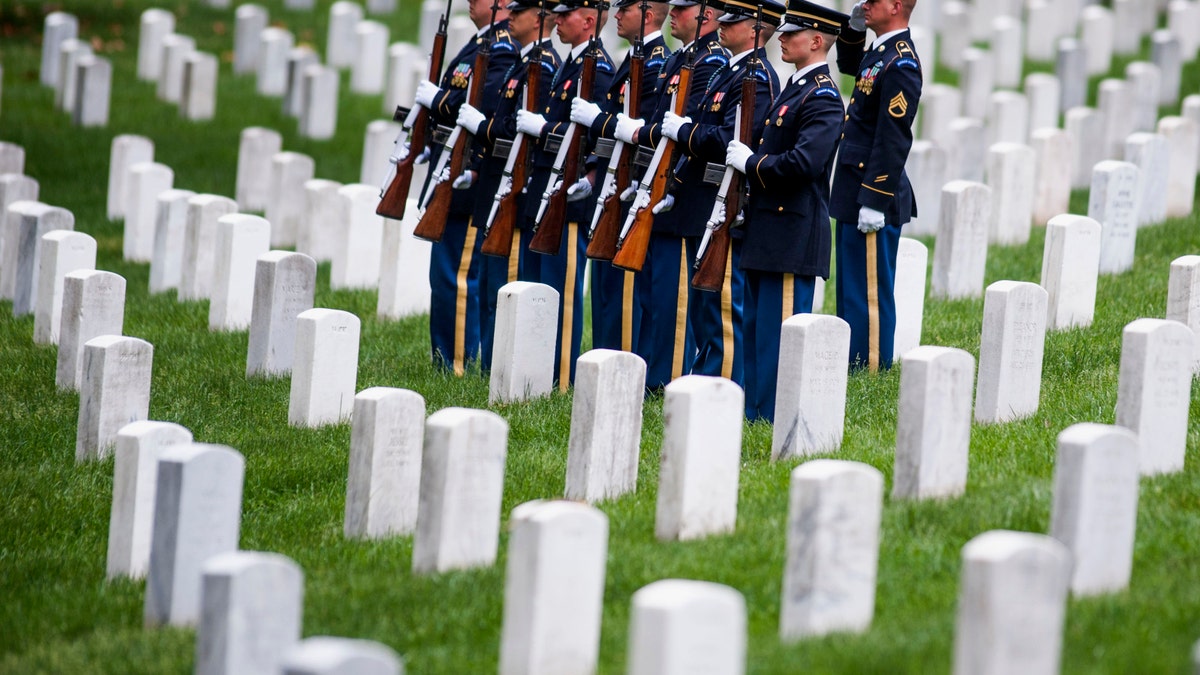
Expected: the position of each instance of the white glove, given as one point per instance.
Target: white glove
(401, 154)
(583, 111)
(857, 20)
(582, 189)
(464, 181)
(869, 220)
(470, 118)
(426, 92)
(442, 176)
(672, 123)
(423, 157)
(737, 154)
(629, 193)
(665, 205)
(627, 127)
(530, 123)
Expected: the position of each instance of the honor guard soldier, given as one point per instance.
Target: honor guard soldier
(615, 312)
(526, 25)
(871, 197)
(664, 339)
(453, 263)
(716, 318)
(786, 238)
(578, 23)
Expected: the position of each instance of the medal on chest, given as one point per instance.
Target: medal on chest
(866, 80)
(782, 111)
(565, 88)
(716, 102)
(673, 84)
(510, 89)
(462, 73)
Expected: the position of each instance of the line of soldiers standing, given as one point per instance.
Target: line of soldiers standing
(784, 239)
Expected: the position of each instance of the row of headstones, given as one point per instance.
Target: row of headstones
(82, 80)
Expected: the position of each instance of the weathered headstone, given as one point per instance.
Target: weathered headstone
(1183, 298)
(682, 627)
(337, 656)
(256, 147)
(1113, 202)
(1043, 92)
(926, 169)
(250, 611)
(1152, 156)
(170, 229)
(25, 225)
(249, 21)
(325, 371)
(56, 28)
(197, 515)
(834, 512)
(462, 481)
(114, 391)
(1012, 184)
(1071, 69)
(1011, 347)
(63, 252)
(143, 184)
(912, 261)
(135, 483)
(323, 225)
(933, 431)
(1070, 263)
(383, 488)
(1094, 513)
(176, 49)
(370, 57)
(606, 425)
(701, 458)
(273, 47)
(284, 285)
(1052, 192)
(127, 151)
(93, 305)
(156, 24)
(1145, 86)
(200, 244)
(241, 239)
(526, 331)
(404, 269)
(285, 195)
(962, 241)
(377, 144)
(1183, 144)
(551, 618)
(810, 399)
(1012, 601)
(356, 254)
(1097, 32)
(199, 99)
(1086, 129)
(1153, 390)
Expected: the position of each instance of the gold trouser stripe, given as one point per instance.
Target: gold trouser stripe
(789, 295)
(564, 361)
(681, 300)
(514, 257)
(872, 304)
(627, 312)
(727, 317)
(460, 313)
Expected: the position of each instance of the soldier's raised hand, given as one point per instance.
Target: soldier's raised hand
(857, 20)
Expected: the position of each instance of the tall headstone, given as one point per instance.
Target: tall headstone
(1113, 202)
(339, 44)
(170, 229)
(1086, 129)
(1097, 31)
(681, 626)
(197, 515)
(810, 399)
(285, 195)
(371, 42)
(606, 425)
(961, 252)
(1094, 512)
(256, 147)
(127, 151)
(553, 589)
(200, 244)
(114, 391)
(199, 99)
(63, 252)
(526, 331)
(156, 24)
(26, 223)
(143, 184)
(93, 305)
(1071, 70)
(273, 47)
(1012, 600)
(249, 21)
(325, 371)
(135, 483)
(241, 239)
(176, 49)
(284, 285)
(1153, 390)
(1070, 263)
(701, 458)
(1052, 193)
(356, 254)
(926, 169)
(1012, 344)
(1183, 144)
(1183, 298)
(250, 612)
(933, 431)
(377, 143)
(336, 656)
(1012, 185)
(383, 487)
(912, 261)
(404, 269)
(56, 28)
(1152, 156)
(1043, 92)
(462, 480)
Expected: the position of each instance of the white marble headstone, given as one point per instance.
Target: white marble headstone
(356, 253)
(339, 44)
(284, 286)
(912, 262)
(323, 224)
(383, 487)
(144, 183)
(323, 655)
(199, 98)
(274, 45)
(114, 391)
(1052, 186)
(250, 612)
(1043, 92)
(93, 305)
(175, 50)
(1086, 129)
(325, 370)
(249, 21)
(56, 28)
(933, 430)
(200, 244)
(1183, 298)
(241, 239)
(156, 24)
(170, 229)
(960, 256)
(285, 195)
(127, 151)
(606, 425)
(404, 269)
(1012, 344)
(256, 147)
(1097, 32)
(378, 140)
(1183, 143)
(63, 252)
(1154, 389)
(810, 398)
(1012, 183)
(1070, 265)
(1113, 202)
(25, 224)
(526, 332)
(93, 76)
(371, 41)
(683, 627)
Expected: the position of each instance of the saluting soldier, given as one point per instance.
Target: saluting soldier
(716, 318)
(453, 263)
(495, 133)
(786, 238)
(576, 21)
(872, 198)
(664, 339)
(615, 313)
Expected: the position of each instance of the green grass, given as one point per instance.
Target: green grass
(58, 614)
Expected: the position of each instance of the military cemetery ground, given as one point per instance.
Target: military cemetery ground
(224, 448)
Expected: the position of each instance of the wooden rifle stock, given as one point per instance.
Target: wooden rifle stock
(395, 198)
(603, 245)
(498, 238)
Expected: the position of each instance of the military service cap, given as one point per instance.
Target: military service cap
(802, 14)
(740, 10)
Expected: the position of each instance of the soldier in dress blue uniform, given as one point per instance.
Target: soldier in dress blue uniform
(664, 339)
(872, 198)
(716, 318)
(576, 21)
(495, 134)
(615, 314)
(453, 261)
(786, 240)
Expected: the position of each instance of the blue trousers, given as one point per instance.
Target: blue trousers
(664, 339)
(564, 273)
(494, 272)
(615, 310)
(771, 299)
(454, 301)
(716, 319)
(866, 292)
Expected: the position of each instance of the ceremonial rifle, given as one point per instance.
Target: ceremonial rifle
(394, 193)
(437, 209)
(498, 231)
(606, 221)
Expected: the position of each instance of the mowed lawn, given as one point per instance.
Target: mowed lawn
(59, 614)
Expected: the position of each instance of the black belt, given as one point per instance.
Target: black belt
(713, 173)
(642, 157)
(501, 149)
(401, 114)
(604, 148)
(553, 143)
(441, 134)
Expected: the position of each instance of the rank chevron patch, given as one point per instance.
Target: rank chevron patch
(898, 106)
